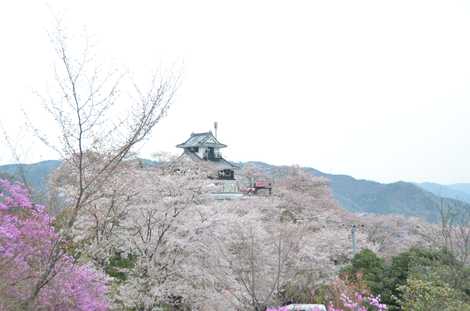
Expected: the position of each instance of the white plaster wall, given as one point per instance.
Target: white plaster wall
(201, 151)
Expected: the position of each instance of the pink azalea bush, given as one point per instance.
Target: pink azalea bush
(34, 271)
(358, 303)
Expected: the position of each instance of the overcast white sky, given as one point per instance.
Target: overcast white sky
(375, 89)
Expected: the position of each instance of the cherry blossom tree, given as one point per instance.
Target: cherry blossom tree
(145, 215)
(94, 118)
(393, 234)
(159, 230)
(453, 234)
(244, 256)
(97, 127)
(184, 248)
(251, 250)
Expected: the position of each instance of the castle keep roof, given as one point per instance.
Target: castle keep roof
(206, 139)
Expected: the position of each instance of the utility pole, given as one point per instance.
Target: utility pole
(353, 237)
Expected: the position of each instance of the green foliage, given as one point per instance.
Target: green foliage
(401, 267)
(431, 266)
(420, 295)
(118, 264)
(371, 268)
(434, 274)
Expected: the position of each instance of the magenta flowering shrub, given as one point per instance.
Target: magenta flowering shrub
(34, 272)
(358, 303)
(287, 309)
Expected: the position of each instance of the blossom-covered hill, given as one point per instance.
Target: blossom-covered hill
(162, 239)
(181, 242)
(356, 195)
(365, 196)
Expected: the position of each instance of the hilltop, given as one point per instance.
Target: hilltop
(365, 196)
(355, 195)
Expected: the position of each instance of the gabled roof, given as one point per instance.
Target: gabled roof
(202, 140)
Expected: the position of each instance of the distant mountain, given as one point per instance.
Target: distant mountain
(461, 187)
(401, 198)
(356, 195)
(458, 191)
(35, 174)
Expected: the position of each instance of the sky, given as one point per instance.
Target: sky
(375, 89)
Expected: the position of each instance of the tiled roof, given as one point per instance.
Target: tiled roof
(201, 140)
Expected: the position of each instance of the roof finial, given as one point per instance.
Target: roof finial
(215, 128)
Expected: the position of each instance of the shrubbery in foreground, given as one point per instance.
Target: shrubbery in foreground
(357, 303)
(35, 273)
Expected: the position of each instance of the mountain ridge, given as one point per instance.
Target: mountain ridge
(459, 192)
(356, 195)
(35, 173)
(366, 196)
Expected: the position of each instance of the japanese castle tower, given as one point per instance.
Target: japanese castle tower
(206, 147)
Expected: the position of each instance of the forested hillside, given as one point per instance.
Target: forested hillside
(355, 195)
(35, 174)
(164, 241)
(365, 196)
(459, 192)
